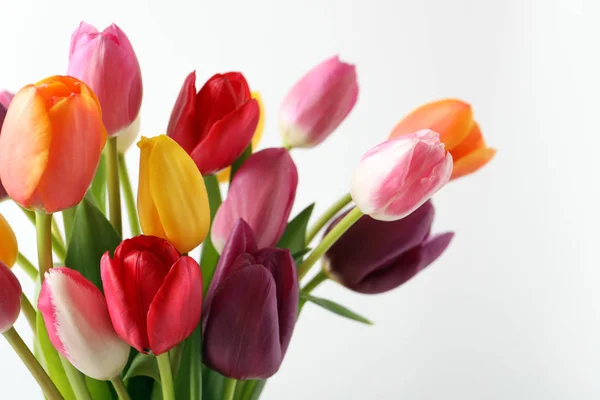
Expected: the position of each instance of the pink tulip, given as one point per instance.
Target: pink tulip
(107, 63)
(5, 98)
(79, 326)
(318, 103)
(262, 194)
(394, 178)
(10, 298)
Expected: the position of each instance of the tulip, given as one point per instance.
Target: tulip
(453, 120)
(78, 324)
(172, 198)
(10, 298)
(250, 308)
(154, 295)
(318, 103)
(51, 143)
(9, 249)
(262, 194)
(374, 256)
(5, 99)
(394, 178)
(107, 63)
(215, 125)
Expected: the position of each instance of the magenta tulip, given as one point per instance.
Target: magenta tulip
(318, 103)
(250, 308)
(262, 194)
(107, 63)
(394, 178)
(10, 298)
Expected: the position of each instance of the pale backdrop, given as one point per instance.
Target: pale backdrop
(511, 310)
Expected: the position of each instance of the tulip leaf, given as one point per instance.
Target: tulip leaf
(50, 359)
(300, 255)
(92, 236)
(98, 188)
(240, 161)
(188, 378)
(334, 308)
(256, 390)
(210, 257)
(100, 390)
(251, 390)
(143, 365)
(294, 236)
(212, 384)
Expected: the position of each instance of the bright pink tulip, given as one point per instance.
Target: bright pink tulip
(318, 103)
(10, 298)
(262, 194)
(79, 326)
(394, 178)
(107, 63)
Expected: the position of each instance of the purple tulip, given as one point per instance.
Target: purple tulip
(250, 308)
(375, 256)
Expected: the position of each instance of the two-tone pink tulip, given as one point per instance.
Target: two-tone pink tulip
(262, 194)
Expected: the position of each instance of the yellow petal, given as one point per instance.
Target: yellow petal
(149, 219)
(8, 244)
(179, 195)
(472, 162)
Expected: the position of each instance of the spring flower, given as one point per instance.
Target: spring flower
(9, 248)
(10, 298)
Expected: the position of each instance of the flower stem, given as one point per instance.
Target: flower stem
(328, 241)
(120, 388)
(56, 242)
(229, 389)
(36, 370)
(314, 282)
(29, 312)
(27, 266)
(43, 226)
(134, 223)
(77, 380)
(114, 190)
(326, 217)
(166, 376)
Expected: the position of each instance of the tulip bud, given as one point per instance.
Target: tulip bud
(79, 326)
(215, 125)
(51, 143)
(453, 120)
(172, 198)
(374, 256)
(107, 63)
(154, 295)
(250, 308)
(318, 103)
(262, 194)
(10, 298)
(394, 178)
(9, 249)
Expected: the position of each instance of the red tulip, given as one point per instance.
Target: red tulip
(154, 295)
(216, 124)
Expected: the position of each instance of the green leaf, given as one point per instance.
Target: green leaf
(300, 255)
(256, 391)
(51, 361)
(98, 188)
(334, 308)
(100, 390)
(210, 257)
(68, 217)
(141, 387)
(294, 236)
(239, 161)
(92, 236)
(212, 384)
(188, 380)
(143, 365)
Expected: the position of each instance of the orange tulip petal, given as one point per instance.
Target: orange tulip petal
(78, 138)
(22, 167)
(472, 162)
(451, 118)
(471, 143)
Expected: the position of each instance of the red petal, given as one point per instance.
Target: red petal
(159, 246)
(176, 308)
(215, 100)
(182, 124)
(240, 87)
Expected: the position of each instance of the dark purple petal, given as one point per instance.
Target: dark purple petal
(434, 247)
(3, 193)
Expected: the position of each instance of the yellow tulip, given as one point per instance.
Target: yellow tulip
(172, 198)
(8, 244)
(224, 175)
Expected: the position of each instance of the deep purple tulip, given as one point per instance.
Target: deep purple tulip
(250, 308)
(376, 256)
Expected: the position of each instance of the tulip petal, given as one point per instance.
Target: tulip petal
(434, 247)
(472, 162)
(176, 308)
(10, 298)
(5, 100)
(241, 339)
(182, 124)
(472, 142)
(184, 223)
(227, 138)
(9, 248)
(83, 34)
(149, 218)
(21, 167)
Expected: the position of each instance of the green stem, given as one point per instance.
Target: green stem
(29, 312)
(166, 376)
(287, 147)
(328, 241)
(314, 282)
(114, 190)
(120, 388)
(77, 380)
(36, 370)
(56, 233)
(229, 389)
(43, 226)
(56, 242)
(326, 217)
(27, 266)
(132, 215)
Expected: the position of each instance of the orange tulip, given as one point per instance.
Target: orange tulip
(453, 120)
(51, 143)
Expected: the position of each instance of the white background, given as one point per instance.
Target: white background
(511, 310)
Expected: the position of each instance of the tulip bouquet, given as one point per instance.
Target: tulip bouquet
(139, 317)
